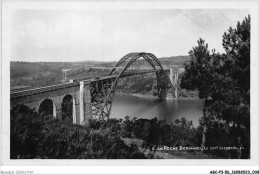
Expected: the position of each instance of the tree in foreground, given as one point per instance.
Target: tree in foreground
(223, 80)
(35, 136)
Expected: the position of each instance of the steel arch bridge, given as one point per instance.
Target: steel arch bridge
(93, 98)
(102, 93)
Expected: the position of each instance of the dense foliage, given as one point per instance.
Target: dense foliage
(224, 82)
(88, 73)
(41, 136)
(141, 84)
(154, 132)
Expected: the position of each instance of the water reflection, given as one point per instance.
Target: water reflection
(150, 107)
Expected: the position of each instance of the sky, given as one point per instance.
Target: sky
(109, 34)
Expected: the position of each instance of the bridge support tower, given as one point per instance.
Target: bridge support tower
(174, 80)
(161, 85)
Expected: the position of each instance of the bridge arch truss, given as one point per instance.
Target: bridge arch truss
(102, 108)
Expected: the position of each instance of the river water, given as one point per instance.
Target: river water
(149, 107)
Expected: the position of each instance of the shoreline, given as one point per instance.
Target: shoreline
(155, 97)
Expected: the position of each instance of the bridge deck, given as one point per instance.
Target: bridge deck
(37, 90)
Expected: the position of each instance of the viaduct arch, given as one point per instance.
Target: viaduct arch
(68, 108)
(47, 107)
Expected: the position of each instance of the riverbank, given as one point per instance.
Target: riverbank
(156, 97)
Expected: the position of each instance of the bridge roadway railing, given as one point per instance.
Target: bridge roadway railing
(41, 89)
(34, 87)
(37, 90)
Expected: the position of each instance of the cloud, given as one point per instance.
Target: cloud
(109, 34)
(67, 29)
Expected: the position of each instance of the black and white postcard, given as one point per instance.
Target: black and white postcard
(125, 83)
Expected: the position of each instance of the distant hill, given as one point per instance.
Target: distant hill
(25, 74)
(98, 67)
(87, 73)
(24, 66)
(35, 66)
(174, 60)
(165, 61)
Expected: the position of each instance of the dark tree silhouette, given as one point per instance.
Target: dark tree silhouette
(224, 82)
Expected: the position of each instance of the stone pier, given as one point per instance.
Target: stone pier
(173, 76)
(85, 103)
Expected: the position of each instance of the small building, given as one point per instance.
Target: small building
(65, 72)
